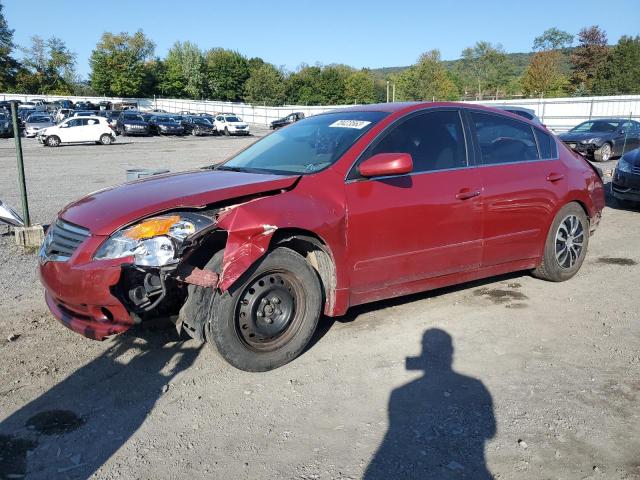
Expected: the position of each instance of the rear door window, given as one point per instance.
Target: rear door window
(546, 145)
(504, 140)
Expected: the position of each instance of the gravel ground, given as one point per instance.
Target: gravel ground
(511, 377)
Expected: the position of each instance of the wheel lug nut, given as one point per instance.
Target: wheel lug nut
(259, 314)
(275, 300)
(268, 320)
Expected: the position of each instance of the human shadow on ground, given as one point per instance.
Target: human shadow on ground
(438, 424)
(72, 429)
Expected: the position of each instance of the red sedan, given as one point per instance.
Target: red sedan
(336, 210)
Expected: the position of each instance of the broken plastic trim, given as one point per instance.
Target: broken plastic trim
(9, 216)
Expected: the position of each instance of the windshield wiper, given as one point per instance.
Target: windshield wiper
(230, 169)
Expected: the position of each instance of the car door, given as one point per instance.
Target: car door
(425, 224)
(523, 180)
(68, 131)
(95, 129)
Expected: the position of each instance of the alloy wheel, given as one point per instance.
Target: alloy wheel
(569, 241)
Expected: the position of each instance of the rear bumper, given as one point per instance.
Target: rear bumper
(79, 297)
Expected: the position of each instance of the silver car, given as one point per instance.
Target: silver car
(35, 123)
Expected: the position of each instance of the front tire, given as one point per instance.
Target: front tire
(226, 131)
(603, 154)
(566, 245)
(52, 141)
(269, 316)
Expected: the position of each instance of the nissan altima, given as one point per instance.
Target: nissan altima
(336, 210)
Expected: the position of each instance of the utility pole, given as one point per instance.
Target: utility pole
(394, 92)
(387, 91)
(21, 179)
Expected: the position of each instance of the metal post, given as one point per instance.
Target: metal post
(21, 180)
(591, 109)
(626, 132)
(394, 93)
(387, 91)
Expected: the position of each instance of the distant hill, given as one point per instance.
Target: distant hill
(519, 60)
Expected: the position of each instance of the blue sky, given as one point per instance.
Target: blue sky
(287, 33)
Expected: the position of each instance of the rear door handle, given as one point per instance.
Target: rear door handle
(554, 177)
(466, 194)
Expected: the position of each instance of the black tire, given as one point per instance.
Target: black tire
(555, 266)
(604, 153)
(226, 131)
(106, 139)
(268, 317)
(193, 132)
(52, 141)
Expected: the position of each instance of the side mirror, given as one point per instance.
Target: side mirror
(385, 164)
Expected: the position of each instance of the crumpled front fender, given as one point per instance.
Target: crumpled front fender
(247, 241)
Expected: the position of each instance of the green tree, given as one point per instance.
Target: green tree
(543, 76)
(590, 55)
(48, 67)
(227, 71)
(265, 85)
(485, 68)
(318, 85)
(8, 65)
(360, 87)
(184, 72)
(426, 80)
(620, 74)
(119, 64)
(552, 39)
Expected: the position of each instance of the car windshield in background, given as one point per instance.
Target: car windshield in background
(165, 120)
(39, 120)
(134, 117)
(232, 119)
(201, 120)
(597, 126)
(307, 146)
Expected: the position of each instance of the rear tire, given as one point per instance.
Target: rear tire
(52, 141)
(268, 317)
(226, 131)
(566, 246)
(106, 139)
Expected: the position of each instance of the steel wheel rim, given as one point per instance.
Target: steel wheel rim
(569, 242)
(269, 311)
(606, 151)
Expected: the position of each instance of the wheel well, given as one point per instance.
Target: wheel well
(317, 254)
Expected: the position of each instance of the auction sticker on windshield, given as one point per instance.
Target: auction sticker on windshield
(359, 124)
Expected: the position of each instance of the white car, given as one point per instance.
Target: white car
(231, 124)
(78, 130)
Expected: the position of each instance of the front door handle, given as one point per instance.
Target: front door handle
(466, 194)
(554, 177)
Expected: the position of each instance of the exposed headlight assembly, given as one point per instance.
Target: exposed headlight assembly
(595, 140)
(153, 242)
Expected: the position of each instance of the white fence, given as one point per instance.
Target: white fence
(559, 114)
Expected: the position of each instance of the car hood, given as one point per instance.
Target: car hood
(169, 124)
(105, 211)
(39, 125)
(580, 136)
(237, 124)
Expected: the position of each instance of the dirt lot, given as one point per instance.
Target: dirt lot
(544, 381)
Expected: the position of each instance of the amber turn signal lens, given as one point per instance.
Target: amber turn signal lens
(152, 227)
